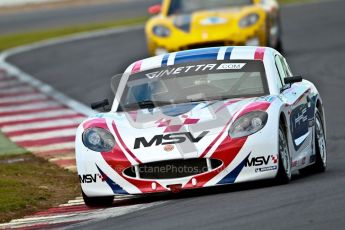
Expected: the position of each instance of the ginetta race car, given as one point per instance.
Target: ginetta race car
(190, 24)
(201, 118)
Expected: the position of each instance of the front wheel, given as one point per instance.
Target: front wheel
(92, 202)
(320, 148)
(284, 164)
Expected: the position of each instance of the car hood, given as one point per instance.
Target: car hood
(179, 131)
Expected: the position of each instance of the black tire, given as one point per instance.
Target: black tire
(320, 164)
(279, 46)
(284, 172)
(279, 43)
(92, 202)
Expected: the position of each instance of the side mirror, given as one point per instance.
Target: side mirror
(291, 80)
(155, 9)
(100, 104)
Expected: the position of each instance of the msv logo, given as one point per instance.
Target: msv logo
(91, 178)
(260, 161)
(168, 139)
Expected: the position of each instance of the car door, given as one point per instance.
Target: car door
(297, 100)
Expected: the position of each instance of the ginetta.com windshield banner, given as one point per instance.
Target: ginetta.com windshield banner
(201, 68)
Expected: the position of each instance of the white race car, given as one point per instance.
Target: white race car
(201, 118)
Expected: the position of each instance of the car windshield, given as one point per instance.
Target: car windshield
(194, 82)
(185, 7)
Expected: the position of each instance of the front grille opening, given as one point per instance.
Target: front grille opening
(210, 44)
(172, 169)
(204, 45)
(129, 172)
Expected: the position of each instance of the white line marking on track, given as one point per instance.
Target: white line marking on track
(44, 135)
(39, 125)
(22, 89)
(72, 168)
(72, 204)
(47, 114)
(33, 220)
(76, 201)
(46, 148)
(8, 83)
(25, 98)
(38, 105)
(70, 156)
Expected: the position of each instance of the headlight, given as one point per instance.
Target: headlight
(161, 31)
(249, 20)
(248, 124)
(98, 139)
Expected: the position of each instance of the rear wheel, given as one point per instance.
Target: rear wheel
(284, 164)
(105, 201)
(320, 148)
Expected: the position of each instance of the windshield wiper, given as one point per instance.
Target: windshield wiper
(196, 100)
(220, 98)
(147, 104)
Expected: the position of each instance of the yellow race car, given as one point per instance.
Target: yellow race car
(188, 24)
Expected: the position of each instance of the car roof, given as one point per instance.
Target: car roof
(213, 53)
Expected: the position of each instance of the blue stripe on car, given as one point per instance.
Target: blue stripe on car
(228, 53)
(117, 189)
(231, 177)
(196, 55)
(165, 60)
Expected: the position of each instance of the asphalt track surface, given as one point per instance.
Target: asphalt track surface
(314, 40)
(69, 16)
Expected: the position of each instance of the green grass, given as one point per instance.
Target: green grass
(13, 40)
(9, 148)
(29, 184)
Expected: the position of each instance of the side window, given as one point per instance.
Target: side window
(281, 71)
(286, 68)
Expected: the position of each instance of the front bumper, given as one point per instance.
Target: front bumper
(103, 174)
